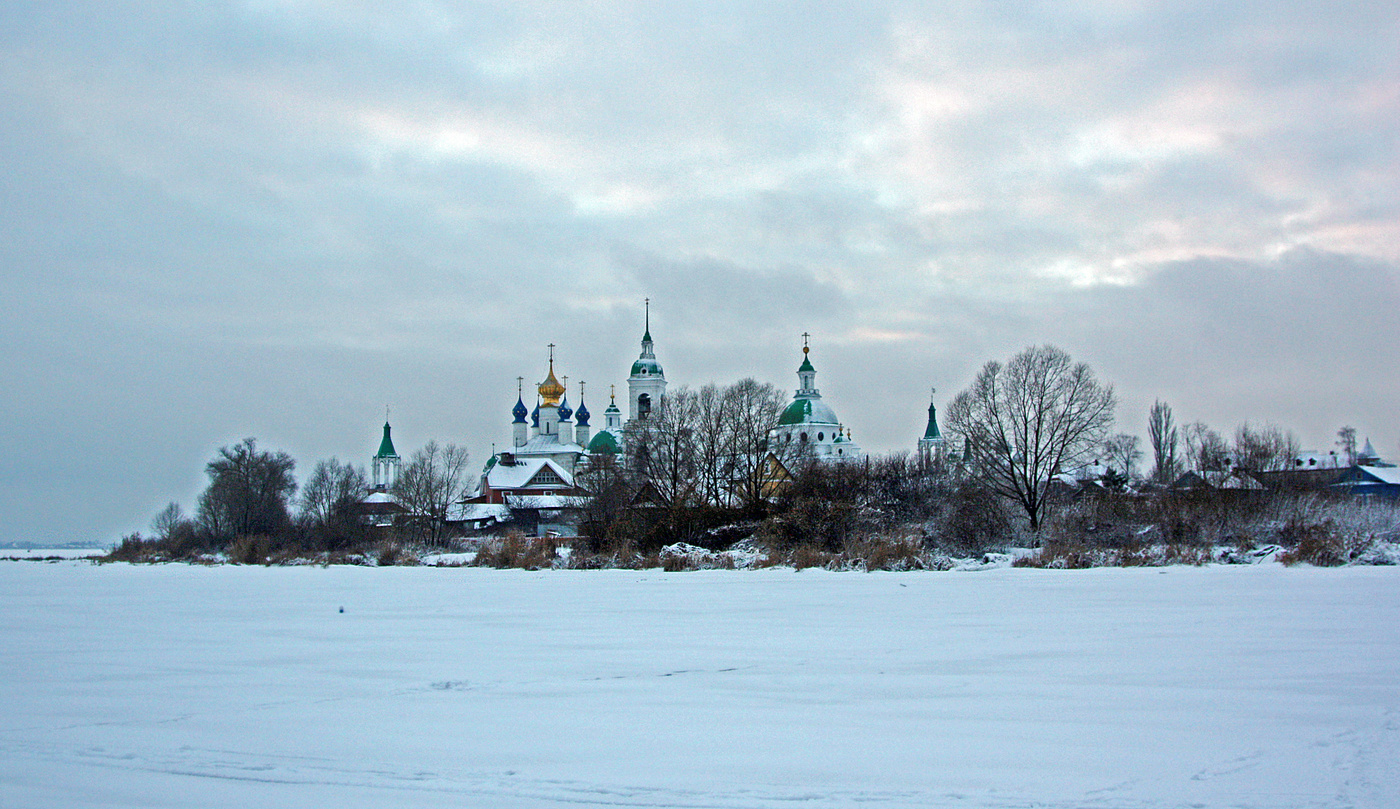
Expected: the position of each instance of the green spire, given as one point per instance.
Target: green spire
(386, 447)
(931, 431)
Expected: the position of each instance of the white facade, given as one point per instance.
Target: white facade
(809, 426)
(646, 387)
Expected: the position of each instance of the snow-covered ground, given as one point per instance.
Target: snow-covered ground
(44, 554)
(1247, 686)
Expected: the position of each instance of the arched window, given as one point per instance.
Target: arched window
(803, 438)
(821, 436)
(643, 405)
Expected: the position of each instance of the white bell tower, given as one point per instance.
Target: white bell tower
(646, 387)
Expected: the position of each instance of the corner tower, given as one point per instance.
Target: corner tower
(385, 462)
(931, 445)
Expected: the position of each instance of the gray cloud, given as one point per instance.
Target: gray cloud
(274, 218)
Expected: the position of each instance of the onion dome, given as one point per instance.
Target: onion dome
(519, 411)
(604, 443)
(535, 418)
(582, 415)
(564, 410)
(550, 389)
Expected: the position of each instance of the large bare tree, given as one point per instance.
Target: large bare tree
(1346, 439)
(248, 491)
(1264, 449)
(331, 491)
(1122, 453)
(1163, 433)
(1206, 451)
(709, 446)
(1029, 419)
(434, 479)
(750, 410)
(665, 447)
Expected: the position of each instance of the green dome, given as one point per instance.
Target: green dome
(646, 367)
(808, 411)
(604, 443)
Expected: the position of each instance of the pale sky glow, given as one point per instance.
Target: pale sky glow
(272, 219)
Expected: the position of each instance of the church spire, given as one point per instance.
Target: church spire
(931, 432)
(806, 373)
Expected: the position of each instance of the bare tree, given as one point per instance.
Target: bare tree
(1027, 420)
(751, 409)
(664, 448)
(1346, 439)
(1206, 451)
(610, 489)
(710, 453)
(1266, 449)
(431, 482)
(167, 521)
(1162, 432)
(332, 491)
(1122, 453)
(248, 491)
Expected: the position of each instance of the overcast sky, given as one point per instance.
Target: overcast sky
(273, 219)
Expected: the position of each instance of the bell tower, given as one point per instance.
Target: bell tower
(646, 387)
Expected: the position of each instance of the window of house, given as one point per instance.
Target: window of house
(546, 477)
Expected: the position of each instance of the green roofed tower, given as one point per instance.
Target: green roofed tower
(931, 445)
(386, 462)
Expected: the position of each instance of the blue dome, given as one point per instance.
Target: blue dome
(582, 415)
(535, 417)
(564, 410)
(519, 412)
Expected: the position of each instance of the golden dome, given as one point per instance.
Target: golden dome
(550, 389)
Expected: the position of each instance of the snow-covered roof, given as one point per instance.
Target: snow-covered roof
(471, 512)
(546, 444)
(1315, 459)
(542, 501)
(524, 470)
(1383, 474)
(380, 497)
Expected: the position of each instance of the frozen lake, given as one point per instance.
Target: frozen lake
(185, 686)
